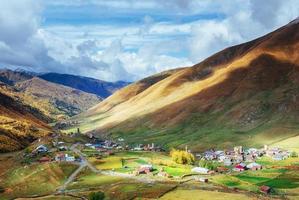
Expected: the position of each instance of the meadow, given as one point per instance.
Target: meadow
(35, 179)
(281, 176)
(129, 161)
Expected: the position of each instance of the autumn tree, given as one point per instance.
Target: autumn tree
(182, 157)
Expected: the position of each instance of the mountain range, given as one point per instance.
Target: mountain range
(245, 94)
(28, 103)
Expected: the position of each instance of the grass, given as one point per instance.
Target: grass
(133, 160)
(177, 171)
(282, 176)
(118, 187)
(93, 180)
(108, 163)
(36, 179)
(181, 194)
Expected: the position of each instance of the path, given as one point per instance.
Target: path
(71, 178)
(84, 163)
(83, 159)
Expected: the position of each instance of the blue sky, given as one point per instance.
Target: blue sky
(129, 39)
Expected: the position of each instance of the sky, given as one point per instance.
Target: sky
(129, 39)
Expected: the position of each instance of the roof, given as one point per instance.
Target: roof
(265, 188)
(254, 164)
(146, 166)
(239, 167)
(200, 169)
(44, 159)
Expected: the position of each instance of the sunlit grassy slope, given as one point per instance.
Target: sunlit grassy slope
(245, 94)
(37, 179)
(55, 101)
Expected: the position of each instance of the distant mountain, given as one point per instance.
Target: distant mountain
(247, 94)
(101, 88)
(54, 100)
(20, 123)
(11, 77)
(58, 96)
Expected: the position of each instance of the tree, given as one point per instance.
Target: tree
(96, 196)
(182, 157)
(208, 164)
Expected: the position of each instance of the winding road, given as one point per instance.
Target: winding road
(84, 163)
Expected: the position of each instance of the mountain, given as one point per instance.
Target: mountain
(54, 100)
(247, 94)
(58, 96)
(101, 88)
(20, 124)
(11, 77)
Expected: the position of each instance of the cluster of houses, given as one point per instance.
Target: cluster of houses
(104, 145)
(239, 155)
(47, 155)
(148, 147)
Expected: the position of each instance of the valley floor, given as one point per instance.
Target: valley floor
(75, 180)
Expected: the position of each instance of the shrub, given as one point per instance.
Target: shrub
(182, 157)
(96, 196)
(208, 164)
(294, 154)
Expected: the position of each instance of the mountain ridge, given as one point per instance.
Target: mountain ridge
(195, 93)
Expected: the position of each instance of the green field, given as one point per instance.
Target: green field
(118, 187)
(181, 194)
(127, 162)
(281, 176)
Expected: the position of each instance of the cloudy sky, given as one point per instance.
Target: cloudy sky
(129, 39)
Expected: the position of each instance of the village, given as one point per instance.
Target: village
(150, 161)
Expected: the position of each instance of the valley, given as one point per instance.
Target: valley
(225, 128)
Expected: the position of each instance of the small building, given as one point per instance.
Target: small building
(221, 169)
(138, 149)
(265, 189)
(238, 150)
(278, 157)
(41, 149)
(145, 169)
(88, 145)
(254, 166)
(200, 170)
(44, 159)
(240, 167)
(203, 179)
(62, 148)
(69, 158)
(227, 162)
(60, 157)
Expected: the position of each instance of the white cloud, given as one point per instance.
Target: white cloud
(130, 51)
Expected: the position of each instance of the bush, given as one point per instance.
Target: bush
(208, 164)
(96, 196)
(182, 157)
(2, 190)
(294, 154)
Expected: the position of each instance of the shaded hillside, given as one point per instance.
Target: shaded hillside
(20, 124)
(90, 85)
(245, 94)
(55, 101)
